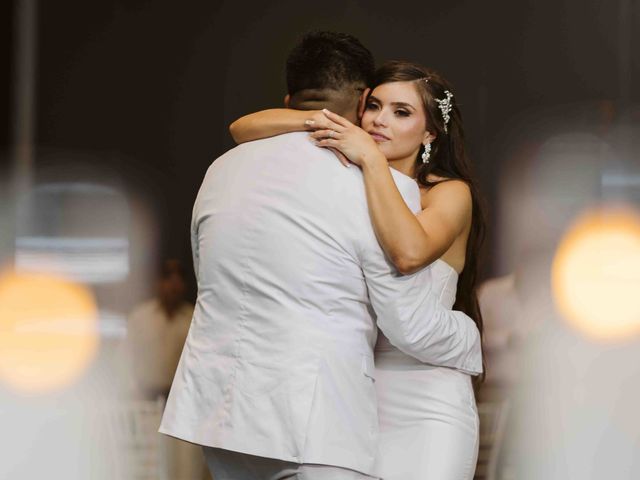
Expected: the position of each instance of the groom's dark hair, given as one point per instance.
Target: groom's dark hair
(328, 60)
(324, 64)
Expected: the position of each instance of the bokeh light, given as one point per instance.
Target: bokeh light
(48, 332)
(596, 274)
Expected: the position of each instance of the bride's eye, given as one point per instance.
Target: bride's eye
(402, 113)
(371, 106)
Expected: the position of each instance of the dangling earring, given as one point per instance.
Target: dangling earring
(427, 153)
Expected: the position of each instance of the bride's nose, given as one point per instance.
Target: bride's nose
(380, 119)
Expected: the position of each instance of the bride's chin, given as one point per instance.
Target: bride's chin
(384, 148)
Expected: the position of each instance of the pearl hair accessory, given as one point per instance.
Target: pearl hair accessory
(445, 107)
(427, 153)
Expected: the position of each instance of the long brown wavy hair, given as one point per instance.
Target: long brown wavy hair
(448, 160)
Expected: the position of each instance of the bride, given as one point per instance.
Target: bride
(411, 122)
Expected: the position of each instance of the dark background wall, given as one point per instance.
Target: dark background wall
(148, 88)
(6, 43)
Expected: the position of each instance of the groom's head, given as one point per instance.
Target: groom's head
(329, 70)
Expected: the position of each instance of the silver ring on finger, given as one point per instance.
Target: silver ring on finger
(331, 132)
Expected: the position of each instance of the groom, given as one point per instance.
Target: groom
(276, 376)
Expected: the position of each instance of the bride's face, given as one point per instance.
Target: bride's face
(394, 116)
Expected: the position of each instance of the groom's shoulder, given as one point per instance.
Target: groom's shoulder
(294, 142)
(286, 150)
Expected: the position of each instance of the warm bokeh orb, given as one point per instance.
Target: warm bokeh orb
(48, 332)
(596, 274)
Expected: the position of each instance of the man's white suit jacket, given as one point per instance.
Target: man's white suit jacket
(279, 358)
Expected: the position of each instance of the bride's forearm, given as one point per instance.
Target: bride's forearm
(268, 123)
(398, 230)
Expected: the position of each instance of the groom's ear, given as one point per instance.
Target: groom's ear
(362, 102)
(287, 99)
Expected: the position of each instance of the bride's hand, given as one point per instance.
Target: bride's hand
(338, 133)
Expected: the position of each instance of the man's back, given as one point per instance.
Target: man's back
(279, 223)
(278, 362)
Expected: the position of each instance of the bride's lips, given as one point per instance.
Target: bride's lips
(378, 137)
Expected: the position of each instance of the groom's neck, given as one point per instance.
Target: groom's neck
(342, 103)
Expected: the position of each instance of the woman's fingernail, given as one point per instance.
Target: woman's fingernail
(348, 165)
(309, 122)
(325, 110)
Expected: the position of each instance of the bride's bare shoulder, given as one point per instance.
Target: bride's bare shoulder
(446, 189)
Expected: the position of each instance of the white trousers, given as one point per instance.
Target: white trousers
(228, 465)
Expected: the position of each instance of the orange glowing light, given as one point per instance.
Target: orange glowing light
(48, 332)
(596, 274)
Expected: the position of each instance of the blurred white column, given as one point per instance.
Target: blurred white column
(22, 118)
(24, 83)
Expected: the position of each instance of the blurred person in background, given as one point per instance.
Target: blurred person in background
(512, 309)
(157, 330)
(501, 312)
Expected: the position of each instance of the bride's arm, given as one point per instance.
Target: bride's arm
(268, 123)
(410, 241)
(414, 241)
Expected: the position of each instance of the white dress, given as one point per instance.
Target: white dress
(428, 417)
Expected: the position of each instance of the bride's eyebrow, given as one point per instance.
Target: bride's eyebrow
(395, 104)
(403, 104)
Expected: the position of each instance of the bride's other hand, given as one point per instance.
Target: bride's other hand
(338, 133)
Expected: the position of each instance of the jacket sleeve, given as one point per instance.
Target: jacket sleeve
(411, 316)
